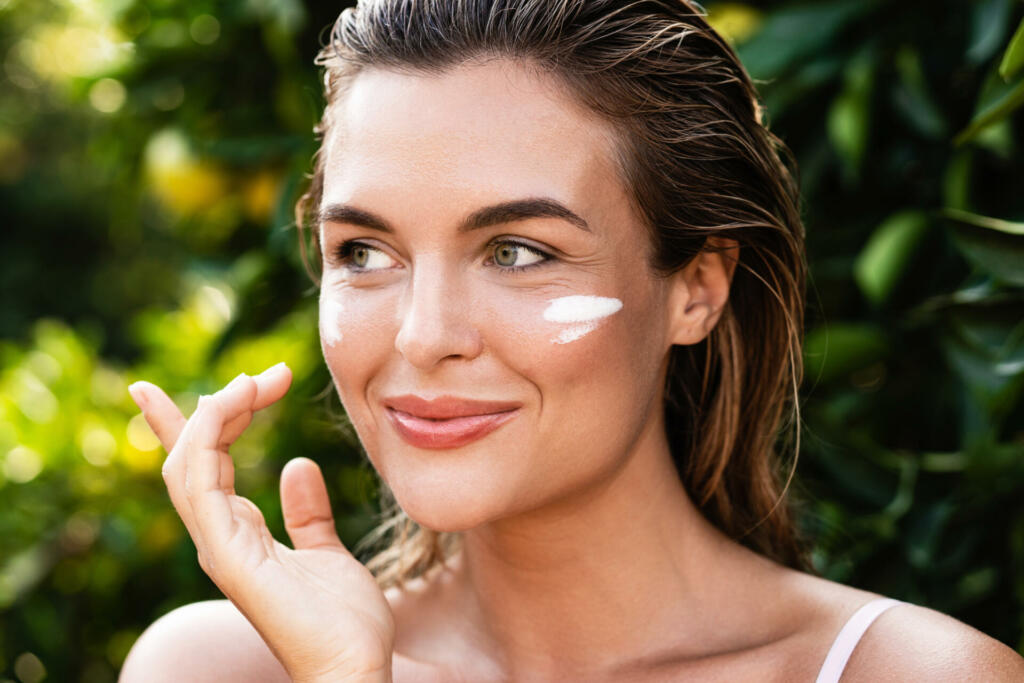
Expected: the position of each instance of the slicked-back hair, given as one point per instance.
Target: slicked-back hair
(697, 159)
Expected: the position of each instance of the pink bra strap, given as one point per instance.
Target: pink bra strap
(849, 636)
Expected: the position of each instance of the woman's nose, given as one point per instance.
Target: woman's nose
(435, 319)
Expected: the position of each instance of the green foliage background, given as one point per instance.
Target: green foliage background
(150, 154)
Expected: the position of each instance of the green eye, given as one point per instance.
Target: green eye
(359, 257)
(510, 255)
(505, 255)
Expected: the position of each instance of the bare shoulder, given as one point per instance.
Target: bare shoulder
(909, 642)
(202, 641)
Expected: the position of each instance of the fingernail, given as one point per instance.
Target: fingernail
(138, 395)
(273, 368)
(236, 380)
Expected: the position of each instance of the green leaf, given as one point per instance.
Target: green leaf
(988, 26)
(1008, 227)
(883, 259)
(1013, 58)
(791, 34)
(834, 351)
(956, 185)
(849, 117)
(992, 245)
(997, 101)
(912, 97)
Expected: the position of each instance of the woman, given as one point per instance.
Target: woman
(561, 299)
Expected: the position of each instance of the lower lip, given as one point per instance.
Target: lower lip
(458, 431)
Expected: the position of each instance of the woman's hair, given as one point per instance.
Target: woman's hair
(698, 161)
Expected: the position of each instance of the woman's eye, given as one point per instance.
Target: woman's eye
(360, 256)
(514, 256)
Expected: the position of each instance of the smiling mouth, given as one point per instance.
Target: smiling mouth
(443, 433)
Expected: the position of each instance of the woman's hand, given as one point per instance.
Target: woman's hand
(319, 609)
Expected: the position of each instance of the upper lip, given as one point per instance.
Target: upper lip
(445, 407)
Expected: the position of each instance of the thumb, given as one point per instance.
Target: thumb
(307, 509)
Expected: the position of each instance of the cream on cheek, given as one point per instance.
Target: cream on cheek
(331, 312)
(581, 313)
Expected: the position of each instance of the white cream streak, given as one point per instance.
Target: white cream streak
(330, 321)
(583, 311)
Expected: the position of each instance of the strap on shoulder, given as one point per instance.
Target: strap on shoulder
(849, 636)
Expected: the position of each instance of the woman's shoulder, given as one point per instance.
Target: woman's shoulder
(202, 641)
(912, 642)
(905, 641)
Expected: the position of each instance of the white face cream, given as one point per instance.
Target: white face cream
(330, 320)
(583, 312)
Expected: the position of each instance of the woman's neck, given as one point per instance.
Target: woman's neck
(626, 572)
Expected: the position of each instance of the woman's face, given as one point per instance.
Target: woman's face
(557, 317)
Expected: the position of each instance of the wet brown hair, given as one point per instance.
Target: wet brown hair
(698, 161)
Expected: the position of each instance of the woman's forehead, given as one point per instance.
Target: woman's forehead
(496, 129)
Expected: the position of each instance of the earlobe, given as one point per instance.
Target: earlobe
(699, 291)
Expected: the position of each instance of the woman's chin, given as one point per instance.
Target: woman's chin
(445, 512)
(444, 517)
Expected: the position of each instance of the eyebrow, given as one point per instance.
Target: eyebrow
(496, 214)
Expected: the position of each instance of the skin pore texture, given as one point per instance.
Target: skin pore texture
(583, 557)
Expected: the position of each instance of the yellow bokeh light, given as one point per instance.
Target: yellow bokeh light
(34, 399)
(204, 29)
(734, 21)
(178, 179)
(107, 95)
(22, 464)
(61, 51)
(213, 307)
(259, 195)
(98, 445)
(140, 436)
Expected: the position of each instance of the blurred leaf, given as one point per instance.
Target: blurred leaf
(886, 254)
(849, 117)
(995, 246)
(1013, 58)
(998, 100)
(957, 181)
(833, 351)
(792, 33)
(985, 221)
(912, 97)
(985, 345)
(925, 533)
(989, 21)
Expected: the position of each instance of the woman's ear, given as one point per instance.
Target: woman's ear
(699, 292)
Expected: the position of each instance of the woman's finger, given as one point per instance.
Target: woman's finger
(166, 421)
(271, 385)
(175, 481)
(161, 414)
(238, 395)
(211, 507)
(306, 507)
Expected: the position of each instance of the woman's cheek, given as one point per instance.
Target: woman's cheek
(554, 338)
(352, 322)
(578, 315)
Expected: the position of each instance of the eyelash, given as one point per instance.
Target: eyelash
(343, 255)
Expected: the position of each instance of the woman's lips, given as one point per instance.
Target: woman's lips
(447, 433)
